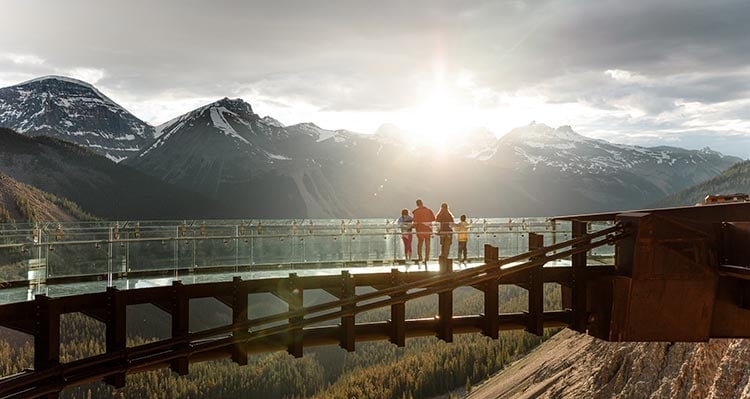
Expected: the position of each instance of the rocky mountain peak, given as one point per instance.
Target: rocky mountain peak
(236, 105)
(540, 133)
(74, 111)
(56, 84)
(272, 122)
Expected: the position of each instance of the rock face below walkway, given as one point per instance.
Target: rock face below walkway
(573, 365)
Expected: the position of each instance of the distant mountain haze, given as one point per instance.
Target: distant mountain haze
(248, 166)
(733, 180)
(225, 150)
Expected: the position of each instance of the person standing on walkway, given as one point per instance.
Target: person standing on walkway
(405, 223)
(445, 218)
(462, 228)
(423, 218)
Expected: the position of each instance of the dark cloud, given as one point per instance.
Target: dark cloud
(372, 56)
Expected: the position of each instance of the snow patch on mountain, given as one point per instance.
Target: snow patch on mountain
(315, 131)
(71, 81)
(277, 156)
(75, 111)
(272, 122)
(563, 149)
(217, 117)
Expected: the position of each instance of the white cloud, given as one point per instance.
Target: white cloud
(676, 66)
(23, 59)
(90, 75)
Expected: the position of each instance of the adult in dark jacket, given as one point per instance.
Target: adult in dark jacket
(445, 218)
(423, 218)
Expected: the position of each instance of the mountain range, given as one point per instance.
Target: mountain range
(253, 166)
(96, 184)
(733, 180)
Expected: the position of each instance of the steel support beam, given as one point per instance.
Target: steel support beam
(180, 324)
(491, 291)
(536, 290)
(445, 304)
(580, 314)
(295, 300)
(398, 313)
(46, 337)
(347, 322)
(116, 332)
(239, 315)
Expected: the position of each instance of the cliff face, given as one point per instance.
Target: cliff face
(573, 365)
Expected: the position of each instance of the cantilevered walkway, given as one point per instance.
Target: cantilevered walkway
(676, 274)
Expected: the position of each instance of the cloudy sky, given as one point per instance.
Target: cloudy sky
(637, 72)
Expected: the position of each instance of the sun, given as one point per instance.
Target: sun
(437, 121)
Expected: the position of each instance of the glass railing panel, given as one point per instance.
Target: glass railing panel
(76, 259)
(20, 259)
(71, 251)
(165, 246)
(216, 246)
(271, 249)
(150, 248)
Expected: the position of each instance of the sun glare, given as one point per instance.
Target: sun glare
(436, 121)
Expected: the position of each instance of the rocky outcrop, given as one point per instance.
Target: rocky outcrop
(573, 365)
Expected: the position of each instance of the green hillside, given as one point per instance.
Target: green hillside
(733, 180)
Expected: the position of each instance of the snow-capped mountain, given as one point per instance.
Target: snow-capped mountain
(259, 167)
(227, 151)
(74, 111)
(538, 147)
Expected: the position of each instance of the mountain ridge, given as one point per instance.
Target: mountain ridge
(228, 153)
(736, 179)
(96, 184)
(75, 111)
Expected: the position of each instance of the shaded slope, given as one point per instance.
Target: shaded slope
(227, 152)
(103, 188)
(733, 180)
(20, 203)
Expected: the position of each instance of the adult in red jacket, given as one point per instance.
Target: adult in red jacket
(423, 218)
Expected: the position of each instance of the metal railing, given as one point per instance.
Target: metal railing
(38, 253)
(246, 331)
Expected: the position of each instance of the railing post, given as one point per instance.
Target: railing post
(116, 333)
(535, 322)
(491, 254)
(295, 301)
(445, 304)
(491, 296)
(398, 313)
(46, 337)
(46, 334)
(239, 316)
(180, 324)
(347, 339)
(580, 315)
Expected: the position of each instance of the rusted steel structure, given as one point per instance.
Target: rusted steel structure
(680, 274)
(683, 274)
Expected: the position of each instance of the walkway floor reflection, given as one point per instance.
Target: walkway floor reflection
(20, 294)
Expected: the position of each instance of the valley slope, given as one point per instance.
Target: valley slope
(99, 186)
